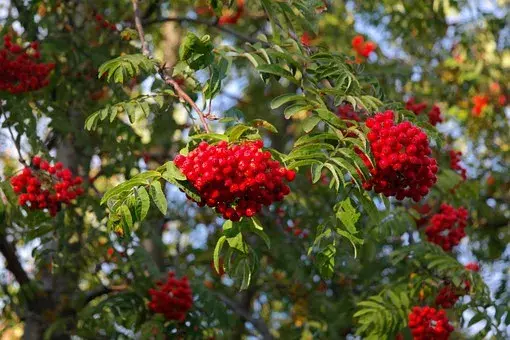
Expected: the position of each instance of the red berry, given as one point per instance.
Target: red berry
(36, 161)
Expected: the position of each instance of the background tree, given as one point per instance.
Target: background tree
(99, 98)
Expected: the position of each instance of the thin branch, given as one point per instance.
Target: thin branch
(183, 95)
(209, 23)
(166, 77)
(139, 28)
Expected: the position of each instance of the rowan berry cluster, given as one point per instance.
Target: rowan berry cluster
(102, 23)
(427, 323)
(236, 179)
(43, 186)
(454, 163)
(473, 266)
(232, 18)
(479, 104)
(228, 16)
(20, 69)
(446, 228)
(448, 295)
(418, 108)
(403, 166)
(363, 48)
(173, 298)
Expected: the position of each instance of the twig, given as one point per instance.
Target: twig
(18, 149)
(12, 261)
(166, 77)
(139, 28)
(184, 96)
(209, 23)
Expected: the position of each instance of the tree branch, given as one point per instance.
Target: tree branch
(139, 28)
(166, 77)
(209, 23)
(13, 264)
(184, 96)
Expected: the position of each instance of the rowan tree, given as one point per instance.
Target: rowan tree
(270, 169)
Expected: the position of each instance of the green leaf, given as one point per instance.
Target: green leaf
(214, 137)
(316, 172)
(143, 201)
(265, 124)
(310, 122)
(326, 261)
(234, 236)
(476, 318)
(256, 227)
(286, 98)
(196, 52)
(172, 171)
(235, 133)
(296, 108)
(127, 186)
(347, 214)
(277, 71)
(126, 67)
(244, 267)
(218, 73)
(256, 223)
(330, 118)
(127, 219)
(217, 251)
(158, 197)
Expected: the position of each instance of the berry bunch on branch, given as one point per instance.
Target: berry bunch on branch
(446, 228)
(228, 16)
(46, 187)
(363, 48)
(403, 166)
(455, 158)
(20, 68)
(448, 295)
(102, 23)
(235, 179)
(173, 298)
(427, 323)
(418, 108)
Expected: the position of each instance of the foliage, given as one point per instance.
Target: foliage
(332, 259)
